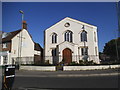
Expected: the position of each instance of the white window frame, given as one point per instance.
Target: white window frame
(68, 36)
(4, 45)
(85, 37)
(5, 59)
(54, 38)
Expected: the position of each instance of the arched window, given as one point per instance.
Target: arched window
(54, 52)
(54, 38)
(83, 36)
(95, 36)
(84, 51)
(68, 36)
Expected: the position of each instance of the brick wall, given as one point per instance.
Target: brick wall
(8, 48)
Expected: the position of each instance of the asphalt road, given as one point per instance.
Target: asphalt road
(66, 79)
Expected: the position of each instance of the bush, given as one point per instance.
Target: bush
(89, 63)
(73, 63)
(82, 63)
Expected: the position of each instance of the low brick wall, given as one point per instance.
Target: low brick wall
(40, 68)
(69, 68)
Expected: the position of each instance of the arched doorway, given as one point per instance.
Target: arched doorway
(67, 55)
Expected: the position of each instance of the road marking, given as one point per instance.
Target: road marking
(22, 88)
(70, 75)
(89, 75)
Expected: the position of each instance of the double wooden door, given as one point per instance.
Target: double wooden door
(67, 55)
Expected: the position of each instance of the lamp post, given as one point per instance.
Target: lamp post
(20, 40)
(22, 17)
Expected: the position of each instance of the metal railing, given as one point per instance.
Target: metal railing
(73, 58)
(23, 60)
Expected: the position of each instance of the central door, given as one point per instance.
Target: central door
(67, 55)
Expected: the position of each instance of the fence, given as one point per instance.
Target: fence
(23, 60)
(75, 58)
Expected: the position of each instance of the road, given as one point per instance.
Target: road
(66, 79)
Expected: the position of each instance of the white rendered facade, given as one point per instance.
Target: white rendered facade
(22, 46)
(73, 42)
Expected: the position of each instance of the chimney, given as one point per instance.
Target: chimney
(24, 25)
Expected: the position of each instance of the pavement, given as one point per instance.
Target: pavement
(107, 72)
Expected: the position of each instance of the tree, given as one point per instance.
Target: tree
(112, 49)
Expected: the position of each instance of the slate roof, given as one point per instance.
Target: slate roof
(14, 33)
(37, 47)
(10, 36)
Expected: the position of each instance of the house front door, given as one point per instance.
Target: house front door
(67, 56)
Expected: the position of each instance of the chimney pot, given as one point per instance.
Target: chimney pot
(24, 25)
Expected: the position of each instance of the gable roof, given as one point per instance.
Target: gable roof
(14, 33)
(81, 22)
(10, 36)
(37, 47)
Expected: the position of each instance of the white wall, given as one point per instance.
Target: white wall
(72, 68)
(5, 54)
(69, 68)
(27, 49)
(76, 28)
(40, 68)
(37, 52)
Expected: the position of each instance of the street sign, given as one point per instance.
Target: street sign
(8, 77)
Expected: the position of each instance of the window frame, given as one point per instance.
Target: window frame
(83, 38)
(4, 45)
(95, 37)
(68, 36)
(5, 59)
(96, 51)
(54, 52)
(54, 38)
(86, 51)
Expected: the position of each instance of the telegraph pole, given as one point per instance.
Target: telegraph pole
(118, 15)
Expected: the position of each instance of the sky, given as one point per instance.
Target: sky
(41, 15)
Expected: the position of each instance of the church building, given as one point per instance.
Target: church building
(71, 40)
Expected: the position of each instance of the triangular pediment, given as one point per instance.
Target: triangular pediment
(67, 19)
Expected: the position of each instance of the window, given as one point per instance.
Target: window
(54, 38)
(5, 59)
(95, 36)
(4, 45)
(54, 52)
(68, 36)
(83, 36)
(96, 51)
(67, 24)
(84, 51)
